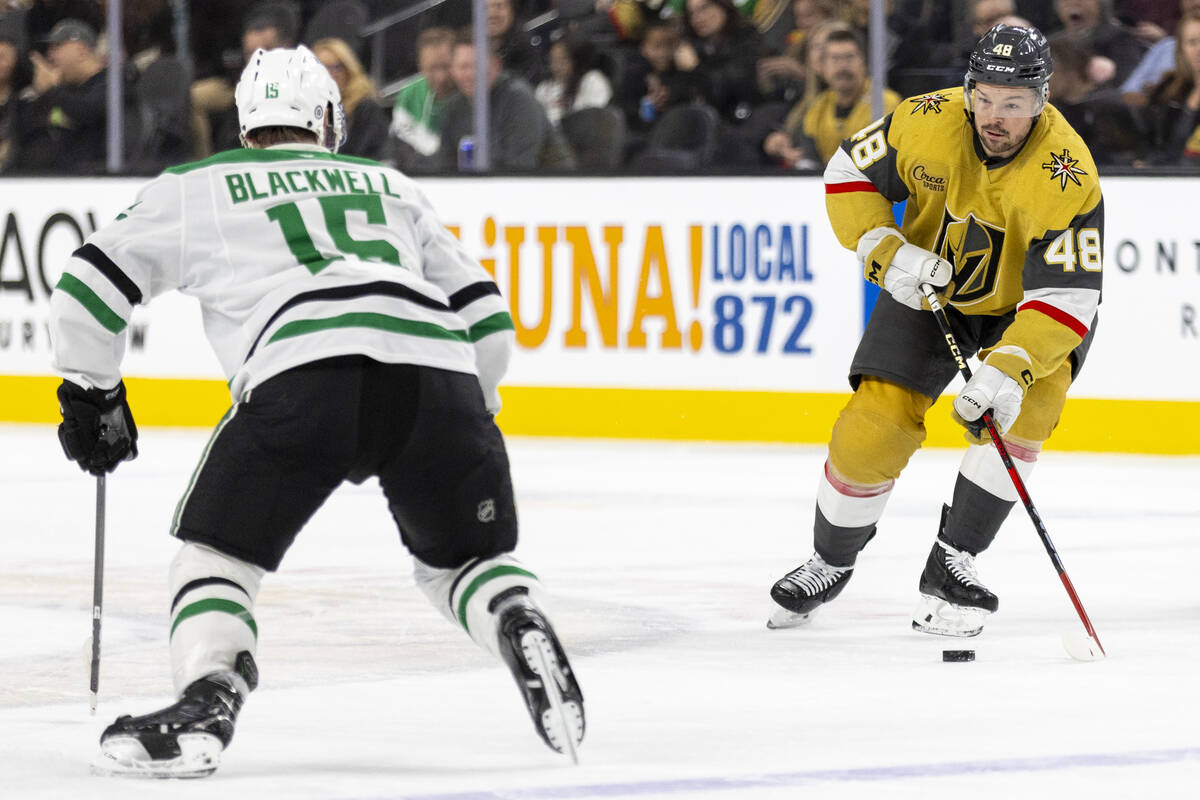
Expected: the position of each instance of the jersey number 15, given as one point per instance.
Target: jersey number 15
(334, 208)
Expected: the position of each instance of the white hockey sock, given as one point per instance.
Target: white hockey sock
(212, 612)
(848, 505)
(982, 466)
(464, 595)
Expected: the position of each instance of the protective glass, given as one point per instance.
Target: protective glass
(1004, 101)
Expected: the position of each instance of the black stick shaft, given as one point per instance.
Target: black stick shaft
(939, 313)
(97, 591)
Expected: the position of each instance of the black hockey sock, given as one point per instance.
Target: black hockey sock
(975, 516)
(839, 546)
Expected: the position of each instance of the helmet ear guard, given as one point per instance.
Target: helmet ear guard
(290, 88)
(1011, 56)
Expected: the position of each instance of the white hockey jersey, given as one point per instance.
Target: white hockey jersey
(295, 254)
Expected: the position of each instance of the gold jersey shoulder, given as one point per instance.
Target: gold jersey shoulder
(1051, 180)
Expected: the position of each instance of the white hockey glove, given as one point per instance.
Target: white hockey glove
(901, 270)
(988, 389)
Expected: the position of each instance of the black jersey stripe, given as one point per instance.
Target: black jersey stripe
(96, 257)
(469, 294)
(378, 288)
(196, 584)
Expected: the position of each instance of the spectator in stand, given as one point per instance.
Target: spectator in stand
(812, 134)
(1097, 114)
(773, 19)
(366, 120)
(1151, 20)
(147, 31)
(417, 115)
(1158, 61)
(722, 50)
(907, 42)
(521, 138)
(808, 14)
(624, 21)
(66, 130)
(1041, 13)
(782, 77)
(10, 87)
(214, 119)
(1174, 110)
(576, 80)
(1091, 23)
(987, 13)
(43, 15)
(215, 38)
(517, 55)
(651, 83)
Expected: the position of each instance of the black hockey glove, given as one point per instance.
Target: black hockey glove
(97, 430)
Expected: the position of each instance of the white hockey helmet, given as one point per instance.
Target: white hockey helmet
(293, 88)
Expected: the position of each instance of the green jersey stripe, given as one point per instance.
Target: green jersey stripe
(215, 604)
(369, 319)
(91, 301)
(500, 321)
(480, 580)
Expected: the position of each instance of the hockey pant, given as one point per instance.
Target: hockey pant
(876, 434)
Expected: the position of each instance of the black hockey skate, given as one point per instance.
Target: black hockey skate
(805, 589)
(953, 601)
(183, 740)
(532, 651)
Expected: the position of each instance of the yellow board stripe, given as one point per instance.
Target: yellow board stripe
(1088, 425)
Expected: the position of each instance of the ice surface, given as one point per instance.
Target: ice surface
(658, 558)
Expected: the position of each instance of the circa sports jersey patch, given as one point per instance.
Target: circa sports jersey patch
(934, 183)
(1063, 167)
(928, 102)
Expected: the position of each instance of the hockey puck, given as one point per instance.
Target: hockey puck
(958, 655)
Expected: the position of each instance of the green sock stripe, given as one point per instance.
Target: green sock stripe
(110, 319)
(480, 580)
(215, 604)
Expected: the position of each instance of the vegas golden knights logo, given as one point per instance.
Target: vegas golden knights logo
(973, 247)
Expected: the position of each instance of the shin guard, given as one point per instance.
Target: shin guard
(212, 612)
(468, 595)
(984, 494)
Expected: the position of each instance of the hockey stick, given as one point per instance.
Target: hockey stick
(1078, 647)
(97, 592)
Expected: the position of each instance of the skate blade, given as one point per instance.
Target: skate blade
(563, 721)
(124, 756)
(782, 618)
(940, 618)
(1082, 647)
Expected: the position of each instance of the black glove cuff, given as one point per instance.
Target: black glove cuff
(101, 399)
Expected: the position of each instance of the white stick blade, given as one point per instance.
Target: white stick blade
(1082, 647)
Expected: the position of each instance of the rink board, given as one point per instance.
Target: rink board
(690, 308)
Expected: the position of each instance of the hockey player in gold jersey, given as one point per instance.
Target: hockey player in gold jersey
(1004, 217)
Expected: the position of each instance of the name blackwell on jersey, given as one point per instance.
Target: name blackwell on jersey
(249, 185)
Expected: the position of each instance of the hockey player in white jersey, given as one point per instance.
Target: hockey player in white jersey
(359, 339)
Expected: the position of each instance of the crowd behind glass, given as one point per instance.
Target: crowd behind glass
(597, 86)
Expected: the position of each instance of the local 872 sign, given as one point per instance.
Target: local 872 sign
(671, 300)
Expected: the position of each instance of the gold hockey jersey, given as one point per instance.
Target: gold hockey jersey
(1025, 232)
